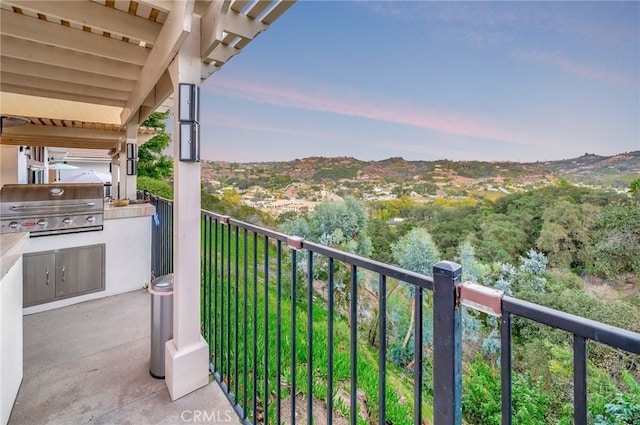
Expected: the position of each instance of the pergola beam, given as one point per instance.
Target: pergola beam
(54, 85)
(65, 75)
(35, 52)
(96, 16)
(59, 95)
(27, 28)
(39, 135)
(174, 32)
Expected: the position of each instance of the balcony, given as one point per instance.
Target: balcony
(89, 363)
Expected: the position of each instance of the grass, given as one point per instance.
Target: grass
(227, 287)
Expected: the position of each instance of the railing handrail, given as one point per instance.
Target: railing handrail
(160, 198)
(389, 270)
(597, 331)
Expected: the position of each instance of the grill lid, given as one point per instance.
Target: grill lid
(57, 192)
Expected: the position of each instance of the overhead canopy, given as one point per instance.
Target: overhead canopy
(81, 71)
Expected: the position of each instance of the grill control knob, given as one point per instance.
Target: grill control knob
(42, 222)
(91, 219)
(67, 220)
(14, 224)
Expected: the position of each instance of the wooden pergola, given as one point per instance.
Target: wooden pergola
(82, 71)
(87, 73)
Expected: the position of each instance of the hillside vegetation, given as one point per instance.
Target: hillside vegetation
(612, 171)
(570, 248)
(522, 228)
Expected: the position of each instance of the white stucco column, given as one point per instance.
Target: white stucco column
(187, 354)
(115, 176)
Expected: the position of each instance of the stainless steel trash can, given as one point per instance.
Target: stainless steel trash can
(161, 291)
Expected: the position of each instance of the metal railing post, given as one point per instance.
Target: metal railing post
(447, 345)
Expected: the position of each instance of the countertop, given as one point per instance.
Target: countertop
(129, 211)
(12, 245)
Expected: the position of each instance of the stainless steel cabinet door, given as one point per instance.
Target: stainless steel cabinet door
(79, 270)
(39, 281)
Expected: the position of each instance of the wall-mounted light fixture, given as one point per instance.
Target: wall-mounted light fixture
(132, 167)
(189, 103)
(189, 141)
(131, 151)
(189, 116)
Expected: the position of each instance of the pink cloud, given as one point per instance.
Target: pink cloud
(585, 71)
(232, 121)
(373, 109)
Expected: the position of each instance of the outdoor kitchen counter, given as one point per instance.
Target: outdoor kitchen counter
(126, 237)
(129, 211)
(12, 245)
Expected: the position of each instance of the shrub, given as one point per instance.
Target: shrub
(155, 186)
(481, 402)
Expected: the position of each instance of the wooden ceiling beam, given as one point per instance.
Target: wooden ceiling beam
(212, 24)
(51, 72)
(58, 142)
(61, 86)
(240, 25)
(35, 52)
(175, 30)
(53, 94)
(164, 5)
(52, 34)
(35, 130)
(257, 8)
(276, 11)
(160, 93)
(95, 16)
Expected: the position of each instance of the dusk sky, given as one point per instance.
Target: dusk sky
(521, 81)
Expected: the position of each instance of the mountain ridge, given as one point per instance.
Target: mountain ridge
(615, 170)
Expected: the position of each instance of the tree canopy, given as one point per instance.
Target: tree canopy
(151, 160)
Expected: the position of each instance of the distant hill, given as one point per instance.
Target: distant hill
(604, 171)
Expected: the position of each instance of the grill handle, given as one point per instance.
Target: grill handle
(34, 207)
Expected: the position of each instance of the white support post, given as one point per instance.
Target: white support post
(187, 354)
(115, 175)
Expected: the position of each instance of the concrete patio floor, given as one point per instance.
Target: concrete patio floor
(89, 363)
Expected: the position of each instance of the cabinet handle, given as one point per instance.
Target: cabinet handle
(47, 281)
(63, 274)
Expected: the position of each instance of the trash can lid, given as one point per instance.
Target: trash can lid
(163, 283)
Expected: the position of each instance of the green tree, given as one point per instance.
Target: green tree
(501, 239)
(616, 240)
(342, 224)
(417, 252)
(151, 161)
(564, 236)
(634, 188)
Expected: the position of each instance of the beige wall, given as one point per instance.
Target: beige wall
(8, 165)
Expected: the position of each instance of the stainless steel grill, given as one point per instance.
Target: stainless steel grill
(50, 209)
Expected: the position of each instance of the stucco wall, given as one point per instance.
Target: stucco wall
(8, 165)
(10, 339)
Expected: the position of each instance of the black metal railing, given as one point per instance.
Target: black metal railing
(161, 236)
(582, 330)
(243, 267)
(255, 279)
